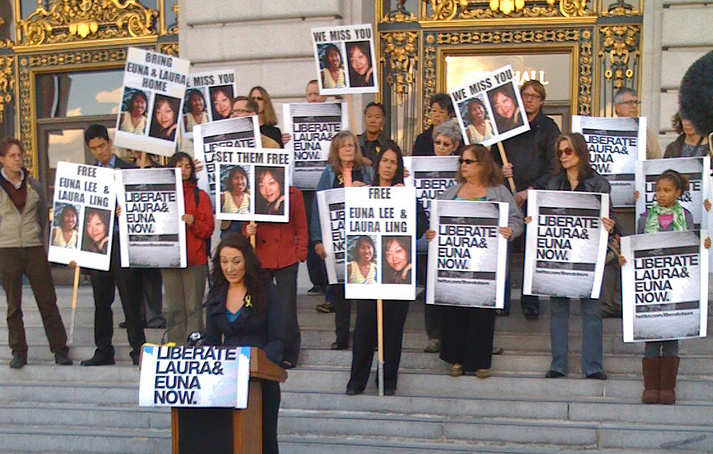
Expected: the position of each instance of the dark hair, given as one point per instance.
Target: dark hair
(359, 241)
(679, 181)
(103, 216)
(252, 105)
(96, 131)
(66, 208)
(278, 173)
(403, 241)
(178, 157)
(444, 102)
(537, 86)
(376, 104)
(677, 123)
(137, 94)
(399, 175)
(255, 278)
(490, 174)
(579, 146)
(468, 117)
(324, 58)
(190, 95)
(229, 182)
(220, 89)
(7, 142)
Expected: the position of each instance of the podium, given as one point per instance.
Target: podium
(226, 430)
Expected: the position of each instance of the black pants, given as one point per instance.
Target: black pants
(286, 282)
(342, 314)
(132, 298)
(468, 337)
(151, 284)
(365, 341)
(270, 409)
(315, 263)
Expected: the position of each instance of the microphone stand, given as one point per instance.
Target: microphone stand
(171, 327)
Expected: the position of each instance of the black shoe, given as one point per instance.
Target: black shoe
(389, 391)
(315, 289)
(554, 374)
(351, 391)
(99, 359)
(122, 325)
(336, 346)
(18, 361)
(287, 365)
(325, 308)
(62, 359)
(157, 323)
(530, 313)
(135, 356)
(597, 376)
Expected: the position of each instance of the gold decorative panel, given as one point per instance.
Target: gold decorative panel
(69, 21)
(449, 10)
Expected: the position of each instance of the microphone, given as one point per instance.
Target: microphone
(169, 328)
(695, 97)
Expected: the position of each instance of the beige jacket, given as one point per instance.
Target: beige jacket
(24, 229)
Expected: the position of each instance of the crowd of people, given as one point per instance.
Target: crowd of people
(252, 298)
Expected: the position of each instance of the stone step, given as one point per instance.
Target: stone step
(40, 439)
(91, 416)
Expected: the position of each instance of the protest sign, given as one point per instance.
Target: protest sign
(331, 219)
(664, 286)
(697, 170)
(83, 216)
(312, 126)
(209, 97)
(151, 230)
(468, 254)
(254, 184)
(234, 132)
(431, 176)
(380, 243)
(345, 60)
(615, 144)
(566, 244)
(194, 377)
(490, 109)
(151, 102)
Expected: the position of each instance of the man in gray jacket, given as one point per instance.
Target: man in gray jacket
(23, 216)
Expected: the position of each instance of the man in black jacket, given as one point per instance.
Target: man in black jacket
(104, 283)
(530, 162)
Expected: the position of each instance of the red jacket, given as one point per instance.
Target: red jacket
(281, 245)
(202, 227)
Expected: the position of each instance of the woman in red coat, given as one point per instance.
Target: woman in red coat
(185, 287)
(281, 248)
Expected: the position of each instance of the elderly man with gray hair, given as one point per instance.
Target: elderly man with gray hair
(626, 104)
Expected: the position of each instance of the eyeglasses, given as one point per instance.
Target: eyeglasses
(568, 151)
(462, 161)
(256, 98)
(531, 96)
(241, 111)
(631, 103)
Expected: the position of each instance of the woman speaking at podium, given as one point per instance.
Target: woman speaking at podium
(244, 309)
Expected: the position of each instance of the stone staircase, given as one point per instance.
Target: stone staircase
(50, 409)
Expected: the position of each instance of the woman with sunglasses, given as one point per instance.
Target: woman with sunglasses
(574, 173)
(467, 332)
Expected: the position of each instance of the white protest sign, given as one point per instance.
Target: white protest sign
(254, 184)
(615, 144)
(312, 126)
(490, 109)
(194, 377)
(345, 60)
(83, 216)
(151, 231)
(209, 97)
(566, 244)
(380, 243)
(234, 132)
(151, 102)
(331, 219)
(431, 176)
(664, 286)
(697, 170)
(468, 254)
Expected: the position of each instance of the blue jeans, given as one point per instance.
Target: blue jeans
(591, 335)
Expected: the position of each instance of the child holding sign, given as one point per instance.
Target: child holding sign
(660, 362)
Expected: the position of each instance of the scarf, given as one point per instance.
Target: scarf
(652, 220)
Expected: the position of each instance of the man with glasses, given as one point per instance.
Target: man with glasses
(530, 164)
(626, 104)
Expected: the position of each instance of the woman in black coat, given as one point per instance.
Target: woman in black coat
(244, 309)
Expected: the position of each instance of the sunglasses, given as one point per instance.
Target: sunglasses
(462, 161)
(256, 98)
(568, 151)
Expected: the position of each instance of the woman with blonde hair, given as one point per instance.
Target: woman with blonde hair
(267, 116)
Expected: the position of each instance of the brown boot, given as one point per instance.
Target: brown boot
(652, 380)
(669, 370)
